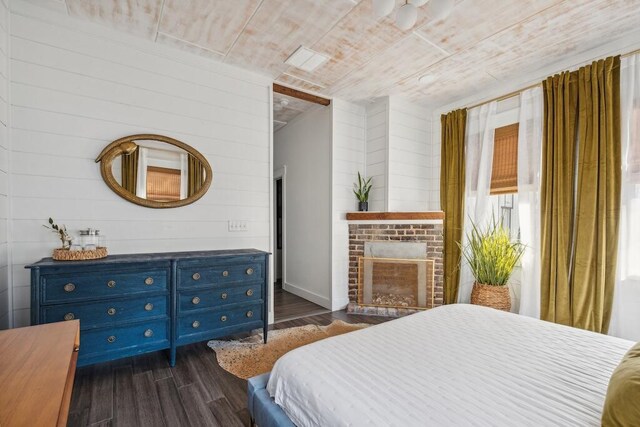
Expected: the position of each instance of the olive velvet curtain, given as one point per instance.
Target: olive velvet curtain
(580, 195)
(130, 171)
(196, 176)
(452, 184)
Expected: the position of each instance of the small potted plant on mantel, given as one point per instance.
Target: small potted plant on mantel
(363, 187)
(492, 257)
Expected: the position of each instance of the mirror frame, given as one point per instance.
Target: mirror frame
(126, 144)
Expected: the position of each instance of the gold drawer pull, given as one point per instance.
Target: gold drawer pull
(148, 281)
(249, 313)
(250, 292)
(148, 333)
(196, 276)
(148, 306)
(196, 300)
(249, 271)
(111, 283)
(111, 311)
(69, 287)
(225, 273)
(69, 316)
(196, 324)
(224, 295)
(111, 339)
(223, 318)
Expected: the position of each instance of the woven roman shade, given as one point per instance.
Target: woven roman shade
(504, 174)
(163, 184)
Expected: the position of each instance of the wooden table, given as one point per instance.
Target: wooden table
(37, 368)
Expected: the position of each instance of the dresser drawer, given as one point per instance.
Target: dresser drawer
(118, 339)
(210, 298)
(221, 317)
(219, 275)
(84, 286)
(109, 312)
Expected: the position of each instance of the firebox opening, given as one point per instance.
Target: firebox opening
(398, 283)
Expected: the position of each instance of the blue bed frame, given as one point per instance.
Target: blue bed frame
(264, 411)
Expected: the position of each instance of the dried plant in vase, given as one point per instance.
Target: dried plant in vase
(61, 231)
(492, 256)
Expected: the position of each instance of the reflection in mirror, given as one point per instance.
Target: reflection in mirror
(155, 171)
(159, 172)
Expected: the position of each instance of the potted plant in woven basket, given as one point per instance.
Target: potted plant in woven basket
(492, 257)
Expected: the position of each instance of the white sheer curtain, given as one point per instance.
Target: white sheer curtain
(184, 175)
(529, 169)
(141, 179)
(479, 158)
(625, 314)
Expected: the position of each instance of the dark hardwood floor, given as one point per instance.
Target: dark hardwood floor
(145, 391)
(288, 306)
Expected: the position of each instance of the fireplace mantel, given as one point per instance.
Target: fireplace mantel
(395, 216)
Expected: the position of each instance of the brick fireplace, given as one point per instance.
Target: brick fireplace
(395, 227)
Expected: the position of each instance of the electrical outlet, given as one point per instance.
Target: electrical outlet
(235, 226)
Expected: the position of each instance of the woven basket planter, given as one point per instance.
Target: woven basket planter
(67, 255)
(497, 297)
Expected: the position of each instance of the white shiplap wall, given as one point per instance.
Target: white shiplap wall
(348, 158)
(409, 178)
(75, 88)
(377, 152)
(400, 156)
(5, 292)
(435, 148)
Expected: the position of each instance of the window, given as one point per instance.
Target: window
(504, 178)
(504, 174)
(505, 209)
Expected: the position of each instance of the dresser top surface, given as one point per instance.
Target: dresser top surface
(147, 257)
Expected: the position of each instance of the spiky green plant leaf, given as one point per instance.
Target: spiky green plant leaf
(362, 188)
(491, 254)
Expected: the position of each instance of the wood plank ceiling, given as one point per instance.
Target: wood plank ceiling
(483, 42)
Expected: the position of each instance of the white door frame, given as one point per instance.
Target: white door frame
(281, 173)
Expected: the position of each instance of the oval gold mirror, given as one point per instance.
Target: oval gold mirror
(155, 171)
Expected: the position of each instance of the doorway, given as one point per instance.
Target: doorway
(287, 305)
(301, 204)
(278, 244)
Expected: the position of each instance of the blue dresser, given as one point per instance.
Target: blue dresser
(134, 304)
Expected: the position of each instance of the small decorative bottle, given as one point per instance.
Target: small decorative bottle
(75, 244)
(101, 240)
(88, 239)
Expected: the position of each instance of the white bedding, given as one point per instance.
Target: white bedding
(458, 365)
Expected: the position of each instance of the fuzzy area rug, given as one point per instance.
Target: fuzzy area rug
(249, 357)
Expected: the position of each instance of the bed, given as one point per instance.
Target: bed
(453, 365)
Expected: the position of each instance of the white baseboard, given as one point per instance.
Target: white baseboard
(340, 304)
(311, 296)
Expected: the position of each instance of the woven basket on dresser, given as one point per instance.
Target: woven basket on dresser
(67, 255)
(497, 297)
